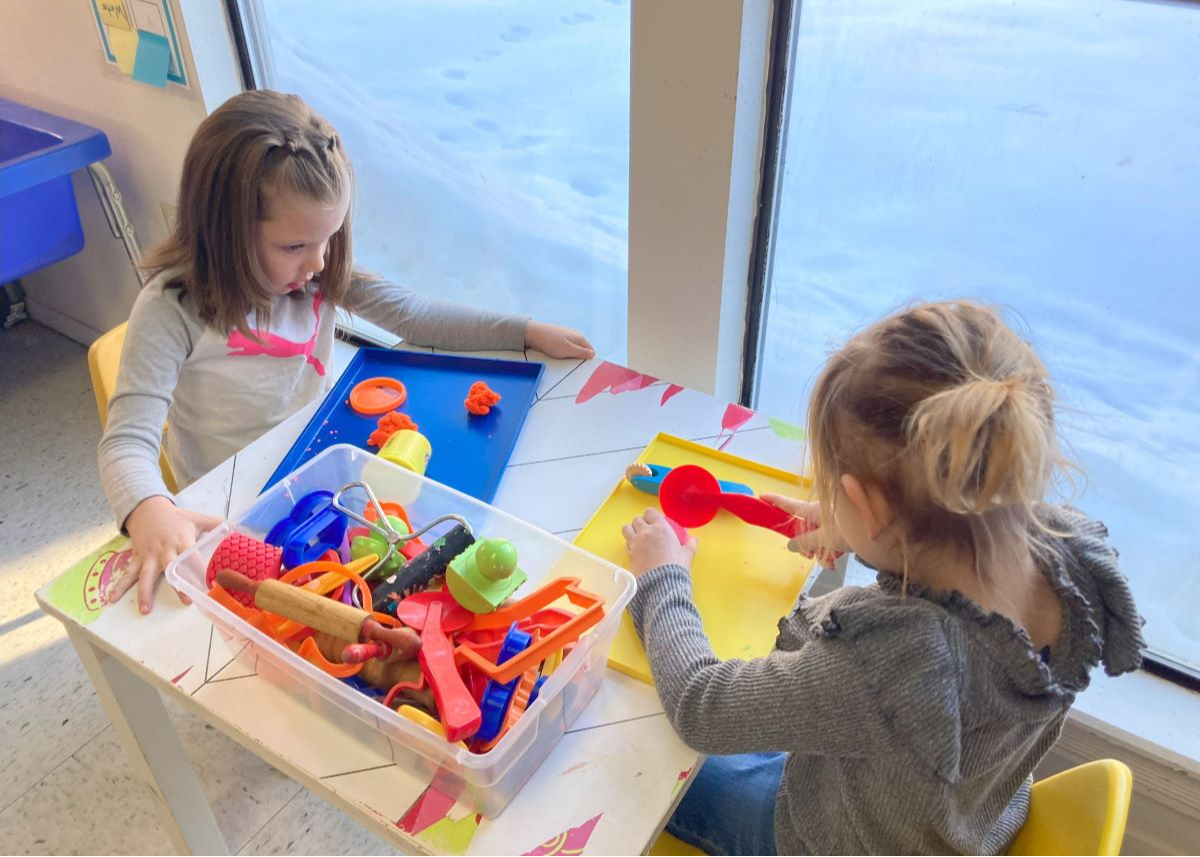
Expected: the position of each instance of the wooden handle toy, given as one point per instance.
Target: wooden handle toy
(320, 613)
(421, 571)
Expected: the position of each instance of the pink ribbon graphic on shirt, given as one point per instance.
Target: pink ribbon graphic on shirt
(273, 345)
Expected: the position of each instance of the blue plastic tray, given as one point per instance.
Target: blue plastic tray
(39, 220)
(469, 452)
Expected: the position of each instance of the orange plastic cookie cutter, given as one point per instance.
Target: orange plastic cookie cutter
(409, 549)
(377, 396)
(255, 617)
(568, 632)
(487, 641)
(389, 508)
(309, 651)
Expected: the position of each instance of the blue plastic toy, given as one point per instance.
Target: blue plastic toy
(311, 528)
(652, 482)
(39, 220)
(496, 697)
(537, 688)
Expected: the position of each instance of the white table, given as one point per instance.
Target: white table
(607, 788)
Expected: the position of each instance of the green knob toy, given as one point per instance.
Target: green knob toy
(484, 575)
(372, 543)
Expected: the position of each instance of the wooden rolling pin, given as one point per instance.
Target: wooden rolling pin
(379, 674)
(323, 614)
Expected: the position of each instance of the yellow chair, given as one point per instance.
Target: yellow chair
(669, 846)
(104, 362)
(1080, 811)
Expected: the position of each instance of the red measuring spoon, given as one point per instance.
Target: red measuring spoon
(458, 709)
(413, 610)
(692, 496)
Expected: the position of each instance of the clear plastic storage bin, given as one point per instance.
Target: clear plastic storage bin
(488, 781)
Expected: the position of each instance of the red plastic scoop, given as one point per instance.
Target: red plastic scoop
(413, 610)
(692, 496)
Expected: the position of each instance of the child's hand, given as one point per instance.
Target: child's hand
(651, 542)
(159, 531)
(823, 542)
(555, 341)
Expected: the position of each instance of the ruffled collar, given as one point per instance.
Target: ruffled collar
(1080, 642)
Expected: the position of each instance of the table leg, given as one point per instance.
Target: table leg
(145, 729)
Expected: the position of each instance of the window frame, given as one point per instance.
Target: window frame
(244, 24)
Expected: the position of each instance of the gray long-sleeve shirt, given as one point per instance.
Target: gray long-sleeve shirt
(912, 722)
(221, 390)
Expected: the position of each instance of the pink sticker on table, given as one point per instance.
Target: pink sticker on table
(570, 841)
(615, 379)
(734, 418)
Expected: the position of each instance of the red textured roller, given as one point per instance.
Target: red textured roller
(257, 560)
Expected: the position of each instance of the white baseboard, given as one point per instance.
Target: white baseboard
(1164, 815)
(60, 322)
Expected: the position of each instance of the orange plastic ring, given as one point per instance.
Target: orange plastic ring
(309, 651)
(323, 566)
(377, 396)
(389, 508)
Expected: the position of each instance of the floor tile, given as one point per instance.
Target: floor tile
(308, 825)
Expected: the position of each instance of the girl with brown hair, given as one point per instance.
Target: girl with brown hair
(234, 331)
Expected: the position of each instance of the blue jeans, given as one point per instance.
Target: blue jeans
(730, 807)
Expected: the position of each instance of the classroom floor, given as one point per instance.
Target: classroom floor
(67, 787)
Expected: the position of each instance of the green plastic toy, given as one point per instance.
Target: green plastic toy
(360, 546)
(484, 575)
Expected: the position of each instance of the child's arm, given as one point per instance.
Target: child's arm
(157, 341)
(811, 698)
(427, 321)
(824, 541)
(807, 700)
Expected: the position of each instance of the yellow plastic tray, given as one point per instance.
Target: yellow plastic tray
(744, 578)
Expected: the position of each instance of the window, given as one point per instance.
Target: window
(490, 142)
(1041, 156)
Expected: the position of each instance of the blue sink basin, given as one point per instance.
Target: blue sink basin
(39, 221)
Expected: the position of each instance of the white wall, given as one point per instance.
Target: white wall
(698, 83)
(50, 59)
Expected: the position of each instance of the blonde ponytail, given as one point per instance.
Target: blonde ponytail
(951, 416)
(983, 444)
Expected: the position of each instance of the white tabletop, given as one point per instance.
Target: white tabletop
(612, 781)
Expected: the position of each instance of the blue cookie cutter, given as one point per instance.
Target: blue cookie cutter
(650, 484)
(496, 697)
(537, 688)
(311, 528)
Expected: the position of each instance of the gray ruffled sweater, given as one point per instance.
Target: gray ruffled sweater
(912, 723)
